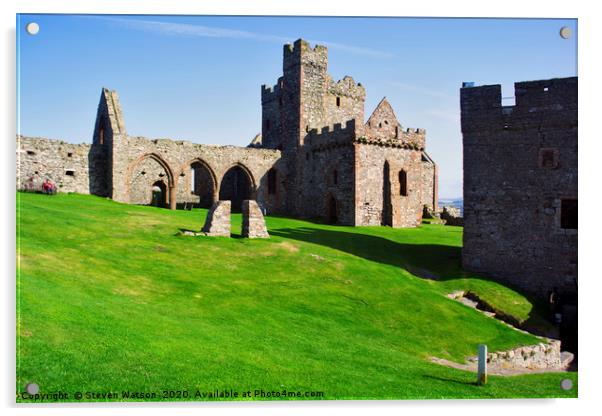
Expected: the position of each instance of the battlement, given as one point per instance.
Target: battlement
(332, 135)
(300, 46)
(555, 100)
(271, 93)
(346, 87)
(301, 53)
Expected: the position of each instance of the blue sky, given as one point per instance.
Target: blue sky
(199, 78)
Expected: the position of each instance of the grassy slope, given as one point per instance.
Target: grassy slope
(111, 298)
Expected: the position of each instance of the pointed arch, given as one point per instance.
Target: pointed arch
(237, 184)
(139, 186)
(198, 182)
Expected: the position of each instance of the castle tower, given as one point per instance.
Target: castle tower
(305, 98)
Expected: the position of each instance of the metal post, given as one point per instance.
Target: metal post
(482, 371)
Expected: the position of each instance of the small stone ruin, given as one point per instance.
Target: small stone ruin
(217, 223)
(452, 216)
(253, 223)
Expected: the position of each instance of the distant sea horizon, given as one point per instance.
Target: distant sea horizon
(453, 202)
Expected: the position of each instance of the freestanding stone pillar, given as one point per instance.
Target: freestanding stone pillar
(253, 223)
(217, 223)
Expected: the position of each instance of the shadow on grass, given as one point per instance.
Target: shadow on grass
(429, 261)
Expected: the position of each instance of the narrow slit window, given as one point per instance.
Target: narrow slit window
(338, 101)
(403, 183)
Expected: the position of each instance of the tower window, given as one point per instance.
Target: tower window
(267, 124)
(338, 101)
(69, 154)
(101, 136)
(403, 183)
(548, 158)
(335, 177)
(280, 101)
(70, 173)
(31, 152)
(568, 214)
(272, 180)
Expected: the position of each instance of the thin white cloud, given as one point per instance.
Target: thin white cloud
(448, 115)
(185, 29)
(422, 90)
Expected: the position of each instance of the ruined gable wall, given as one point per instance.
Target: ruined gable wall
(511, 200)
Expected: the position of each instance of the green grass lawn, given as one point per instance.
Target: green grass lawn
(112, 298)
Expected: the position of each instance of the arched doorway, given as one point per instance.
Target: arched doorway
(236, 186)
(387, 215)
(159, 194)
(332, 210)
(146, 173)
(202, 184)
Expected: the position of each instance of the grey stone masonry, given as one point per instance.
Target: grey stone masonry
(520, 185)
(217, 223)
(540, 356)
(253, 223)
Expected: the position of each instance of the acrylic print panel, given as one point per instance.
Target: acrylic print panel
(295, 208)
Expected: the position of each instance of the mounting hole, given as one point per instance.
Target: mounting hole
(32, 28)
(566, 384)
(565, 32)
(32, 388)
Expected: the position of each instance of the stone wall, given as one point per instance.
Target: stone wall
(429, 183)
(63, 163)
(139, 162)
(380, 202)
(520, 184)
(327, 175)
(533, 357)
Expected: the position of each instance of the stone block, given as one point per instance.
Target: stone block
(253, 223)
(217, 223)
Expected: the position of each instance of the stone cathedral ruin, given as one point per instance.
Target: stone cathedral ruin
(315, 157)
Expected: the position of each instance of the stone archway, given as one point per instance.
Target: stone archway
(146, 173)
(237, 185)
(202, 184)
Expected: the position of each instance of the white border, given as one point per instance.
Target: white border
(589, 153)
